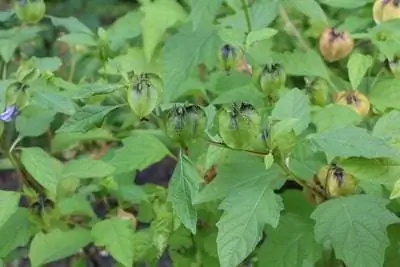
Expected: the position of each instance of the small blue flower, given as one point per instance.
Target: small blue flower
(9, 114)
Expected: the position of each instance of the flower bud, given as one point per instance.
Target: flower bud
(270, 78)
(335, 45)
(229, 57)
(185, 123)
(355, 100)
(336, 181)
(9, 114)
(30, 11)
(384, 10)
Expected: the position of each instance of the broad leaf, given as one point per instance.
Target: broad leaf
(183, 186)
(385, 94)
(8, 205)
(293, 105)
(345, 3)
(34, 121)
(358, 66)
(388, 128)
(355, 227)
(259, 35)
(72, 24)
(86, 168)
(310, 8)
(57, 244)
(335, 116)
(117, 236)
(43, 167)
(353, 142)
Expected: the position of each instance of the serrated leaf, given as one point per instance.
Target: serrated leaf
(57, 244)
(54, 101)
(292, 243)
(247, 209)
(72, 24)
(355, 227)
(139, 151)
(357, 67)
(335, 116)
(43, 167)
(120, 31)
(15, 232)
(352, 142)
(293, 105)
(184, 185)
(385, 94)
(117, 236)
(8, 205)
(204, 11)
(183, 51)
(85, 118)
(259, 35)
(159, 15)
(33, 121)
(86, 168)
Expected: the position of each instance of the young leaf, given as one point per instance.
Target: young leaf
(8, 205)
(86, 168)
(247, 209)
(183, 186)
(353, 142)
(358, 66)
(85, 118)
(183, 51)
(292, 243)
(43, 167)
(334, 117)
(355, 227)
(15, 232)
(57, 244)
(117, 236)
(204, 11)
(293, 105)
(139, 151)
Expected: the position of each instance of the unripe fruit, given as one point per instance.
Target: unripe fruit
(355, 100)
(336, 181)
(30, 11)
(239, 126)
(270, 78)
(229, 57)
(384, 10)
(335, 45)
(319, 92)
(143, 96)
(185, 123)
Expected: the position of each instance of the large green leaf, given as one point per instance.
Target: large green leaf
(57, 244)
(293, 105)
(385, 94)
(292, 243)
(117, 236)
(8, 205)
(204, 11)
(34, 120)
(43, 167)
(247, 209)
(72, 24)
(183, 51)
(86, 168)
(353, 142)
(139, 151)
(357, 67)
(345, 3)
(355, 227)
(388, 128)
(310, 8)
(335, 116)
(183, 186)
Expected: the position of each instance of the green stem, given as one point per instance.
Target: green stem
(247, 15)
(5, 70)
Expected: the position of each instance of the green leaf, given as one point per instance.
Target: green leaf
(355, 227)
(357, 67)
(247, 209)
(117, 236)
(385, 94)
(15, 232)
(292, 243)
(139, 151)
(259, 35)
(47, 63)
(78, 38)
(248, 93)
(352, 142)
(57, 244)
(204, 12)
(54, 102)
(8, 205)
(396, 190)
(311, 64)
(293, 105)
(33, 121)
(88, 90)
(85, 118)
(304, 162)
(310, 8)
(158, 17)
(268, 161)
(72, 24)
(183, 52)
(388, 128)
(44, 168)
(335, 116)
(76, 204)
(4, 84)
(345, 3)
(183, 186)
(86, 168)
(392, 252)
(124, 28)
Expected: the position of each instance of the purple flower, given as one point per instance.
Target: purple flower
(9, 114)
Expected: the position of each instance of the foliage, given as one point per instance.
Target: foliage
(281, 120)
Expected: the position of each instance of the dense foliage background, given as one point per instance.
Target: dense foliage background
(200, 133)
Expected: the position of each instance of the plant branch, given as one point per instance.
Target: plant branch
(247, 15)
(285, 17)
